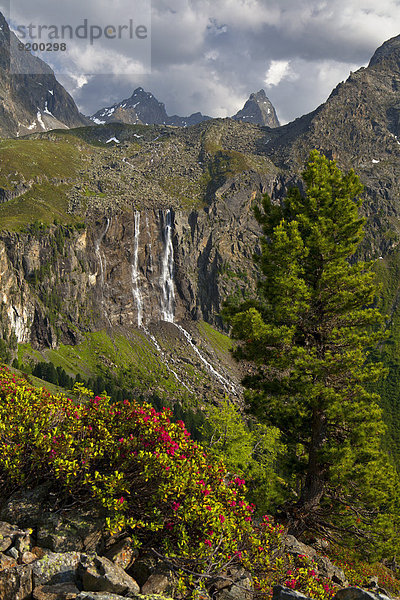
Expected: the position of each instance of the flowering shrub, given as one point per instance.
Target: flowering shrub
(146, 473)
(303, 575)
(359, 572)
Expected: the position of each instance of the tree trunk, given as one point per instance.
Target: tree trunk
(314, 484)
(303, 513)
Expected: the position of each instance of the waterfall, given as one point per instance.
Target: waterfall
(221, 379)
(99, 255)
(149, 244)
(168, 298)
(167, 272)
(137, 294)
(103, 265)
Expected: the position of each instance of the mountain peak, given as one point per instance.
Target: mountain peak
(143, 107)
(260, 95)
(140, 92)
(389, 50)
(32, 100)
(259, 110)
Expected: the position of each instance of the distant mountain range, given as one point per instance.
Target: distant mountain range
(37, 102)
(143, 108)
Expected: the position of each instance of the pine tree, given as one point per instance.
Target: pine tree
(306, 337)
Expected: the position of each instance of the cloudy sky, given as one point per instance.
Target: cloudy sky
(209, 55)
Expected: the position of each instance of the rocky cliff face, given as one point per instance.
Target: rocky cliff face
(129, 269)
(31, 102)
(359, 127)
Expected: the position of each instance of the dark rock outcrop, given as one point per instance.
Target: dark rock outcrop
(280, 592)
(39, 573)
(98, 574)
(359, 127)
(355, 593)
(350, 593)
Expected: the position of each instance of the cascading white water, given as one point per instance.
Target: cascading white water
(221, 379)
(103, 264)
(168, 298)
(167, 272)
(99, 255)
(137, 294)
(150, 265)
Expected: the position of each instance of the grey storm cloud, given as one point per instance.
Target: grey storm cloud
(209, 55)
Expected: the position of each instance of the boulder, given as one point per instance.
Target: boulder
(99, 596)
(7, 535)
(122, 553)
(28, 557)
(26, 507)
(142, 568)
(22, 542)
(241, 590)
(16, 583)
(7, 562)
(327, 569)
(98, 574)
(233, 584)
(108, 596)
(280, 592)
(13, 552)
(66, 532)
(61, 591)
(293, 546)
(40, 552)
(56, 568)
(159, 583)
(355, 593)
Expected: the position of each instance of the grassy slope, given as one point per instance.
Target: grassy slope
(178, 168)
(45, 168)
(136, 364)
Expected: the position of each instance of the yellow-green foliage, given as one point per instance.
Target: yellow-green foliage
(146, 473)
(252, 452)
(42, 203)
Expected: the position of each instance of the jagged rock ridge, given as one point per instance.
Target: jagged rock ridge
(143, 108)
(31, 102)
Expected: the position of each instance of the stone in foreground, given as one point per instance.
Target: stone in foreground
(101, 575)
